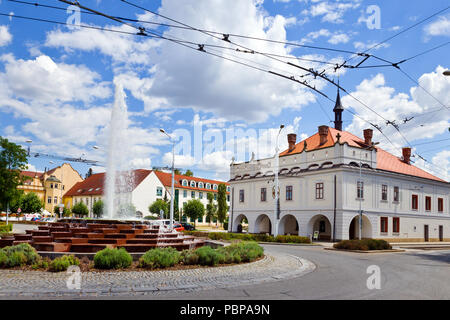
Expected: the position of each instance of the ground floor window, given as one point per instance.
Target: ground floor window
(396, 225)
(384, 224)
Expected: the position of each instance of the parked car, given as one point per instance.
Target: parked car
(187, 226)
(178, 227)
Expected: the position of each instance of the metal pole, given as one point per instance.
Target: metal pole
(277, 186)
(172, 192)
(360, 195)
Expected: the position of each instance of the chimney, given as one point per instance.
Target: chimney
(323, 133)
(406, 155)
(368, 133)
(292, 139)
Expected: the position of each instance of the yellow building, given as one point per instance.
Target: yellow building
(50, 186)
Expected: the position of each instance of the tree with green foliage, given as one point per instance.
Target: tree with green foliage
(13, 159)
(222, 207)
(189, 173)
(159, 205)
(98, 208)
(66, 211)
(211, 208)
(194, 209)
(31, 203)
(80, 209)
(177, 171)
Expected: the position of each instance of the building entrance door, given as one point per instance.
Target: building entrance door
(426, 233)
(441, 233)
(351, 232)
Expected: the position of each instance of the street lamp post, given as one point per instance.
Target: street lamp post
(370, 148)
(173, 178)
(277, 186)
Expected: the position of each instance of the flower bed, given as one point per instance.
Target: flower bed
(25, 257)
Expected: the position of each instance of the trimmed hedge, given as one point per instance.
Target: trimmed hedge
(160, 258)
(257, 237)
(112, 259)
(364, 244)
(19, 255)
(64, 262)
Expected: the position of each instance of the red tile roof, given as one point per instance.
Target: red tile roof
(385, 160)
(32, 174)
(166, 180)
(94, 185)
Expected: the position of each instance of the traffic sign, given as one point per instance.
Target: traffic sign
(19, 210)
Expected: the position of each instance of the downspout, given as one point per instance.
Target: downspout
(232, 209)
(334, 216)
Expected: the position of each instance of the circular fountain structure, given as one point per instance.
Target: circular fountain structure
(90, 236)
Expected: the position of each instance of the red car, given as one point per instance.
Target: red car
(178, 227)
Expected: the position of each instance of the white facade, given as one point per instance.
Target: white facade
(308, 212)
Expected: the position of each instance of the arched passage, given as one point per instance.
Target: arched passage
(353, 231)
(263, 224)
(288, 225)
(241, 220)
(321, 224)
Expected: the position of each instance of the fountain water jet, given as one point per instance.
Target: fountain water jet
(119, 178)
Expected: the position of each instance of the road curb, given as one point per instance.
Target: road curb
(367, 251)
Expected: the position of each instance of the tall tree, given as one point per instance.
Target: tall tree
(222, 207)
(194, 209)
(31, 203)
(98, 208)
(211, 208)
(80, 209)
(188, 173)
(13, 159)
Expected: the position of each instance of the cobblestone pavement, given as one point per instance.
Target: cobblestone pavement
(274, 266)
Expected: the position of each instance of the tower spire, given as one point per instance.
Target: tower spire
(338, 109)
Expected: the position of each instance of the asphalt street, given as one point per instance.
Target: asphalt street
(343, 275)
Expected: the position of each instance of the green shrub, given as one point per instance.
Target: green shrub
(364, 244)
(41, 264)
(3, 258)
(189, 257)
(207, 256)
(159, 258)
(112, 259)
(6, 228)
(242, 252)
(64, 262)
(16, 259)
(292, 239)
(19, 255)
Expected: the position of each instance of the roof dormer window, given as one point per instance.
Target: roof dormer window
(200, 185)
(185, 183)
(192, 184)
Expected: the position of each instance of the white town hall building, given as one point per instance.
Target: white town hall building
(321, 191)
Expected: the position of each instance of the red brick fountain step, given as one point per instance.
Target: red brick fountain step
(52, 246)
(37, 239)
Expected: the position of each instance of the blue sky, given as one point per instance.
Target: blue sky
(57, 83)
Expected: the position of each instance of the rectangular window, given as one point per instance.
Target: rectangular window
(228, 197)
(319, 190)
(49, 200)
(415, 201)
(159, 191)
(360, 190)
(263, 194)
(396, 194)
(241, 195)
(51, 185)
(55, 200)
(288, 192)
(200, 195)
(440, 205)
(87, 202)
(185, 193)
(428, 203)
(396, 225)
(56, 186)
(193, 194)
(384, 190)
(384, 224)
(200, 219)
(215, 196)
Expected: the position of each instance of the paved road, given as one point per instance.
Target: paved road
(342, 275)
